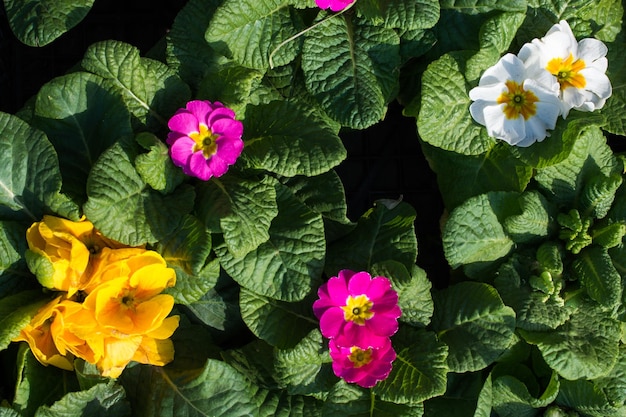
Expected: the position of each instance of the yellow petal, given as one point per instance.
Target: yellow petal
(154, 351)
(166, 329)
(117, 354)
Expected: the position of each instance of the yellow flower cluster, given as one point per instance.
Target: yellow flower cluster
(110, 309)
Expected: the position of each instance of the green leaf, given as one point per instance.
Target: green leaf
(411, 14)
(121, 206)
(240, 208)
(590, 156)
(351, 68)
(250, 30)
(188, 53)
(82, 116)
(604, 19)
(483, 6)
(280, 403)
(156, 167)
(588, 399)
(381, 234)
(445, 96)
(219, 308)
(535, 220)
(586, 346)
(99, 401)
(513, 398)
(38, 385)
(289, 265)
(16, 312)
(598, 194)
(151, 91)
(8, 412)
(413, 288)
(352, 401)
(595, 271)
(14, 273)
(464, 176)
(30, 179)
(302, 143)
(279, 323)
(614, 383)
(419, 371)
(39, 22)
(305, 369)
(216, 389)
(473, 232)
(473, 321)
(234, 86)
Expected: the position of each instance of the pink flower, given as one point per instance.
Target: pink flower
(205, 139)
(365, 367)
(355, 309)
(334, 5)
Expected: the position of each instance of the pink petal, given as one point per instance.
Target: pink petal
(360, 336)
(200, 109)
(332, 322)
(338, 290)
(367, 381)
(359, 283)
(181, 150)
(387, 302)
(346, 274)
(229, 149)
(198, 167)
(382, 324)
(184, 123)
(379, 286)
(220, 113)
(174, 136)
(228, 127)
(217, 165)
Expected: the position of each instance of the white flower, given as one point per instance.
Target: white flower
(512, 105)
(578, 66)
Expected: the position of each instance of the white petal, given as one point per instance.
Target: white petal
(547, 113)
(477, 109)
(499, 127)
(597, 82)
(591, 50)
(509, 67)
(574, 97)
(487, 93)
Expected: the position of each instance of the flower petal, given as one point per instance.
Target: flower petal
(183, 122)
(181, 151)
(383, 324)
(200, 109)
(359, 284)
(332, 322)
(198, 166)
(229, 149)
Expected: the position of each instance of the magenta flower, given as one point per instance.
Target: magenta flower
(205, 139)
(364, 367)
(334, 5)
(355, 309)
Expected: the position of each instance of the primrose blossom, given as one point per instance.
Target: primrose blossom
(334, 5)
(205, 139)
(364, 367)
(579, 67)
(516, 106)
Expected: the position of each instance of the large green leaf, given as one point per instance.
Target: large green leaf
(381, 234)
(351, 68)
(419, 371)
(594, 270)
(216, 389)
(240, 208)
(473, 232)
(250, 30)
(411, 14)
(121, 206)
(302, 143)
(483, 6)
(289, 265)
(14, 273)
(587, 399)
(82, 115)
(151, 90)
(30, 179)
(535, 220)
(279, 323)
(155, 166)
(444, 119)
(352, 401)
(102, 400)
(512, 397)
(586, 346)
(473, 321)
(39, 22)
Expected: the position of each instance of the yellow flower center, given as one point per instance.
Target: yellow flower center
(567, 71)
(360, 357)
(518, 101)
(358, 309)
(206, 141)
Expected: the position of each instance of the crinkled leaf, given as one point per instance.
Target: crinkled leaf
(188, 53)
(535, 220)
(598, 194)
(30, 179)
(513, 398)
(594, 270)
(240, 208)
(473, 321)
(151, 90)
(586, 346)
(302, 143)
(587, 398)
(414, 298)
(615, 108)
(14, 273)
(121, 206)
(156, 167)
(614, 383)
(604, 19)
(250, 30)
(305, 369)
(16, 312)
(419, 371)
(590, 156)
(381, 234)
(99, 401)
(352, 401)
(279, 323)
(483, 6)
(411, 14)
(351, 67)
(234, 86)
(289, 265)
(473, 232)
(39, 22)
(464, 176)
(280, 403)
(214, 389)
(445, 97)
